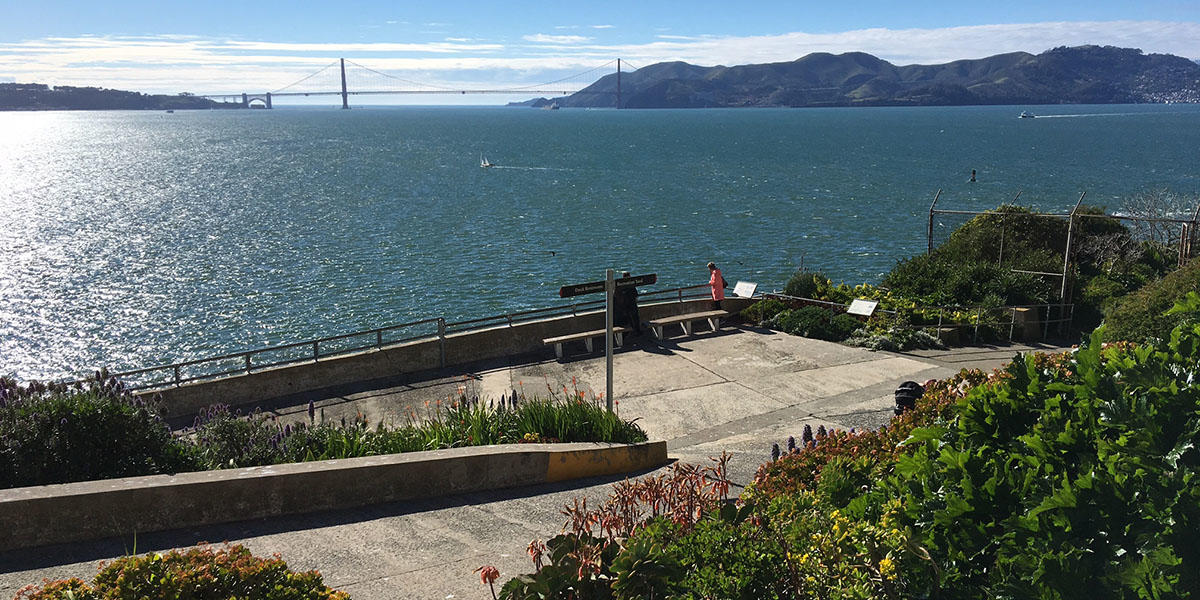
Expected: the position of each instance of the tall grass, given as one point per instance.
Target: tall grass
(56, 434)
(224, 440)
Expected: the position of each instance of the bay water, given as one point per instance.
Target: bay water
(132, 239)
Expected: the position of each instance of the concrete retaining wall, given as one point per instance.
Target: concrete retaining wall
(410, 357)
(51, 514)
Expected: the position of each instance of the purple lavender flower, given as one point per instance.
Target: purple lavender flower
(312, 411)
(821, 431)
(791, 444)
(807, 436)
(774, 452)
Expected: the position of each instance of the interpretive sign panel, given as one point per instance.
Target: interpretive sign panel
(579, 289)
(862, 307)
(744, 289)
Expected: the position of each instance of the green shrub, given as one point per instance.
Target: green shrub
(195, 574)
(1141, 315)
(722, 557)
(98, 430)
(762, 311)
(1086, 472)
(225, 440)
(804, 284)
(815, 322)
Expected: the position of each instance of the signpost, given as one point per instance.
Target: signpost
(861, 307)
(609, 286)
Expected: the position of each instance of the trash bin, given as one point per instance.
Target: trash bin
(906, 396)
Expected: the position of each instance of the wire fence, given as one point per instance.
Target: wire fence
(965, 322)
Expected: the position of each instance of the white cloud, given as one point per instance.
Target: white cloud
(541, 38)
(170, 64)
(601, 26)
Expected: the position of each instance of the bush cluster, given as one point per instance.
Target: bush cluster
(223, 439)
(975, 266)
(55, 434)
(1063, 476)
(1142, 314)
(96, 430)
(815, 322)
(201, 573)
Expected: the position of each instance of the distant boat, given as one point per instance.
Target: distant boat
(483, 162)
(1026, 115)
(170, 110)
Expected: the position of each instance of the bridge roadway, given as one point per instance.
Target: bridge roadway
(737, 390)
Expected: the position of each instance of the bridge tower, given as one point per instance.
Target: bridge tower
(618, 83)
(345, 98)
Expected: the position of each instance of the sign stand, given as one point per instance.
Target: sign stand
(609, 287)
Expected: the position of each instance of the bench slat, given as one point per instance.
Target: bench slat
(583, 335)
(690, 317)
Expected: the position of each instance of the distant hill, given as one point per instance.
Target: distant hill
(1077, 75)
(37, 96)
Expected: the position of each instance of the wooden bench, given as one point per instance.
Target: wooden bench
(712, 316)
(586, 336)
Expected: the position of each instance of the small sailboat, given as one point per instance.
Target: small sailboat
(483, 162)
(1026, 115)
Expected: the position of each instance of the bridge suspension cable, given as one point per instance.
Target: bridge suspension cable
(305, 78)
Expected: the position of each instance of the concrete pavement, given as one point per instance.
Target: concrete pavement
(736, 390)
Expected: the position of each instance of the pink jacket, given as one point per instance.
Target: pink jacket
(718, 285)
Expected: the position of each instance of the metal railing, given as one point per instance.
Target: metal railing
(309, 351)
(990, 318)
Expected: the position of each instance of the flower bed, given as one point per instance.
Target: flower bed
(196, 573)
(54, 434)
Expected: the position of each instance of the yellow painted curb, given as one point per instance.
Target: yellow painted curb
(576, 464)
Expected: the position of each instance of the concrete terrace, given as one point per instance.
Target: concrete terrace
(737, 390)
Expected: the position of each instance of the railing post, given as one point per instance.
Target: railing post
(379, 338)
(978, 318)
(941, 311)
(247, 362)
(1046, 325)
(177, 378)
(442, 341)
(316, 351)
(1012, 325)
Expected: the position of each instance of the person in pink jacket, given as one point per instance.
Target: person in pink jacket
(717, 282)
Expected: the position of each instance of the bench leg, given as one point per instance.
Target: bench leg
(658, 331)
(687, 327)
(715, 323)
(588, 341)
(618, 335)
(558, 350)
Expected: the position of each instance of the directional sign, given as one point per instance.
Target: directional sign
(579, 289)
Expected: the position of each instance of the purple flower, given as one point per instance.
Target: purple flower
(791, 444)
(807, 436)
(312, 411)
(774, 452)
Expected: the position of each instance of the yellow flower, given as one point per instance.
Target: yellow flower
(887, 568)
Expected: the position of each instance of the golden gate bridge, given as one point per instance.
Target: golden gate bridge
(392, 85)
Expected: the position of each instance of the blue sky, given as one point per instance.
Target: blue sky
(220, 46)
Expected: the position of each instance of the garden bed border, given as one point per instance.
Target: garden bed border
(70, 512)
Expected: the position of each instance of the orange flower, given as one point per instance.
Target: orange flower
(488, 574)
